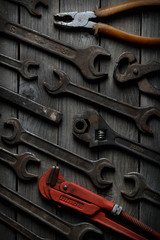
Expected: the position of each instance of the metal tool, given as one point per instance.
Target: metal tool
(28, 104)
(85, 20)
(19, 228)
(20, 66)
(19, 162)
(92, 168)
(82, 58)
(53, 186)
(136, 72)
(30, 5)
(70, 231)
(91, 128)
(139, 114)
(141, 190)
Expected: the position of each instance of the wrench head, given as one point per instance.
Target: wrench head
(16, 134)
(60, 86)
(31, 5)
(140, 186)
(25, 69)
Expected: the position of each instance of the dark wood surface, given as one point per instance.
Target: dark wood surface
(137, 22)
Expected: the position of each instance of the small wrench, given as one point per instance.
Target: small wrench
(91, 168)
(139, 114)
(30, 5)
(141, 190)
(20, 66)
(82, 58)
(19, 228)
(19, 163)
(136, 72)
(28, 104)
(70, 231)
(91, 128)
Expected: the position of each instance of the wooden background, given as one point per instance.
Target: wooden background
(137, 22)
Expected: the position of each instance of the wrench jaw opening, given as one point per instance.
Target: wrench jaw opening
(25, 66)
(61, 85)
(30, 6)
(17, 130)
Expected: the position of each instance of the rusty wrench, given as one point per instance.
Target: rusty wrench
(30, 5)
(19, 162)
(82, 58)
(139, 114)
(91, 168)
(91, 128)
(30, 105)
(70, 231)
(20, 66)
(141, 190)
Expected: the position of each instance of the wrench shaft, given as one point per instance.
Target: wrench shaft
(10, 62)
(151, 195)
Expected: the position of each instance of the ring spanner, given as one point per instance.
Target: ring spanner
(70, 231)
(91, 128)
(82, 58)
(53, 186)
(139, 114)
(19, 162)
(90, 167)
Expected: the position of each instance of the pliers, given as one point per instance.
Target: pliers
(53, 186)
(82, 20)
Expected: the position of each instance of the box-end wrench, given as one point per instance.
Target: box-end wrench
(82, 58)
(19, 162)
(30, 5)
(70, 231)
(139, 114)
(19, 228)
(91, 128)
(92, 168)
(28, 104)
(141, 189)
(19, 66)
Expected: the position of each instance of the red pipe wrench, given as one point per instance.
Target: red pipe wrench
(53, 186)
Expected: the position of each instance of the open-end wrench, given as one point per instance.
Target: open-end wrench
(90, 167)
(30, 5)
(20, 66)
(28, 104)
(139, 114)
(70, 231)
(19, 162)
(91, 128)
(141, 190)
(82, 58)
(19, 228)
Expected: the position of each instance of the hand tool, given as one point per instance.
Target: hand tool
(19, 228)
(70, 231)
(30, 5)
(53, 186)
(92, 168)
(85, 20)
(91, 128)
(20, 66)
(28, 104)
(19, 162)
(136, 72)
(141, 190)
(82, 58)
(139, 114)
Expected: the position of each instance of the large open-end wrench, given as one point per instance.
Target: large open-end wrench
(28, 104)
(20, 66)
(82, 58)
(139, 114)
(30, 5)
(70, 231)
(91, 128)
(19, 162)
(141, 190)
(90, 167)
(19, 228)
